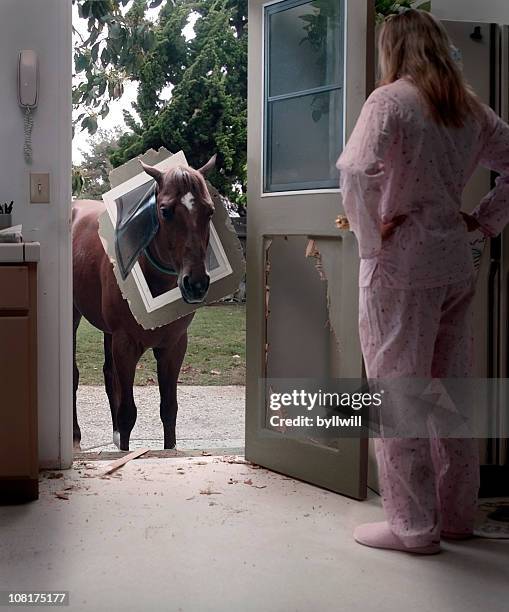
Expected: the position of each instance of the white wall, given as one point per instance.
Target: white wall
(45, 26)
(487, 11)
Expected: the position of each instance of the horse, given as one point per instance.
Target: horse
(176, 256)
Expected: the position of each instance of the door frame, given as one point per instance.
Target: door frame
(65, 391)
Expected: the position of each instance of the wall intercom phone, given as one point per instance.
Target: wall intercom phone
(28, 94)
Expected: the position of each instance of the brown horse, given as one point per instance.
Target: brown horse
(184, 208)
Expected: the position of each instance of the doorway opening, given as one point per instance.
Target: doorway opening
(112, 115)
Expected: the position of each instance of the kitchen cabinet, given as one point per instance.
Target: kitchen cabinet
(19, 466)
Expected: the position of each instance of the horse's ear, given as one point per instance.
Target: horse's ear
(153, 172)
(210, 165)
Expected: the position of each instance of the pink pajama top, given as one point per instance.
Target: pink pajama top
(399, 161)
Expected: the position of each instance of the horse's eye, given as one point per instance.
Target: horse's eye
(167, 213)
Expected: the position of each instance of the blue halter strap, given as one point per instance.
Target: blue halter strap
(159, 267)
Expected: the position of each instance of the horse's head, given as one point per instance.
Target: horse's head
(184, 207)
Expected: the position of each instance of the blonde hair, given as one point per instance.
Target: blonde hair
(414, 44)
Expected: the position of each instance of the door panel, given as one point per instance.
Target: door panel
(302, 104)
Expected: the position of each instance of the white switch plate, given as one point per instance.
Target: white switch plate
(39, 188)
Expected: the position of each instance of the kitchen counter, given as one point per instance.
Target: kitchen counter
(20, 252)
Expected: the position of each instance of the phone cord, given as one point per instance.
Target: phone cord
(29, 124)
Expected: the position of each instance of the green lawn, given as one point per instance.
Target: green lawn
(216, 354)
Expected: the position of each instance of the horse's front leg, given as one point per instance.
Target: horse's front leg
(111, 386)
(169, 362)
(76, 431)
(126, 353)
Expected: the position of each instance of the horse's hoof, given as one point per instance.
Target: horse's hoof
(116, 439)
(170, 443)
(77, 446)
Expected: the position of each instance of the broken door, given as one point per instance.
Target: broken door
(308, 79)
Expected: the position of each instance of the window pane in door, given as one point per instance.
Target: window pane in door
(304, 141)
(304, 46)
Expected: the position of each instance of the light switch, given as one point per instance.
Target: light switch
(39, 188)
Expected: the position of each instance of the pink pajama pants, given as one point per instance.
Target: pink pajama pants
(428, 485)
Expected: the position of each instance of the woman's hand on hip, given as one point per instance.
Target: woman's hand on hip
(388, 229)
(471, 222)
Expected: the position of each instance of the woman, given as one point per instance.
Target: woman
(419, 138)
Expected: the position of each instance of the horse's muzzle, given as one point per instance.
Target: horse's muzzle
(194, 292)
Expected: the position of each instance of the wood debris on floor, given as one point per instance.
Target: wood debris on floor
(54, 475)
(123, 460)
(64, 484)
(250, 483)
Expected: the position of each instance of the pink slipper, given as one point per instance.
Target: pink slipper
(378, 535)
